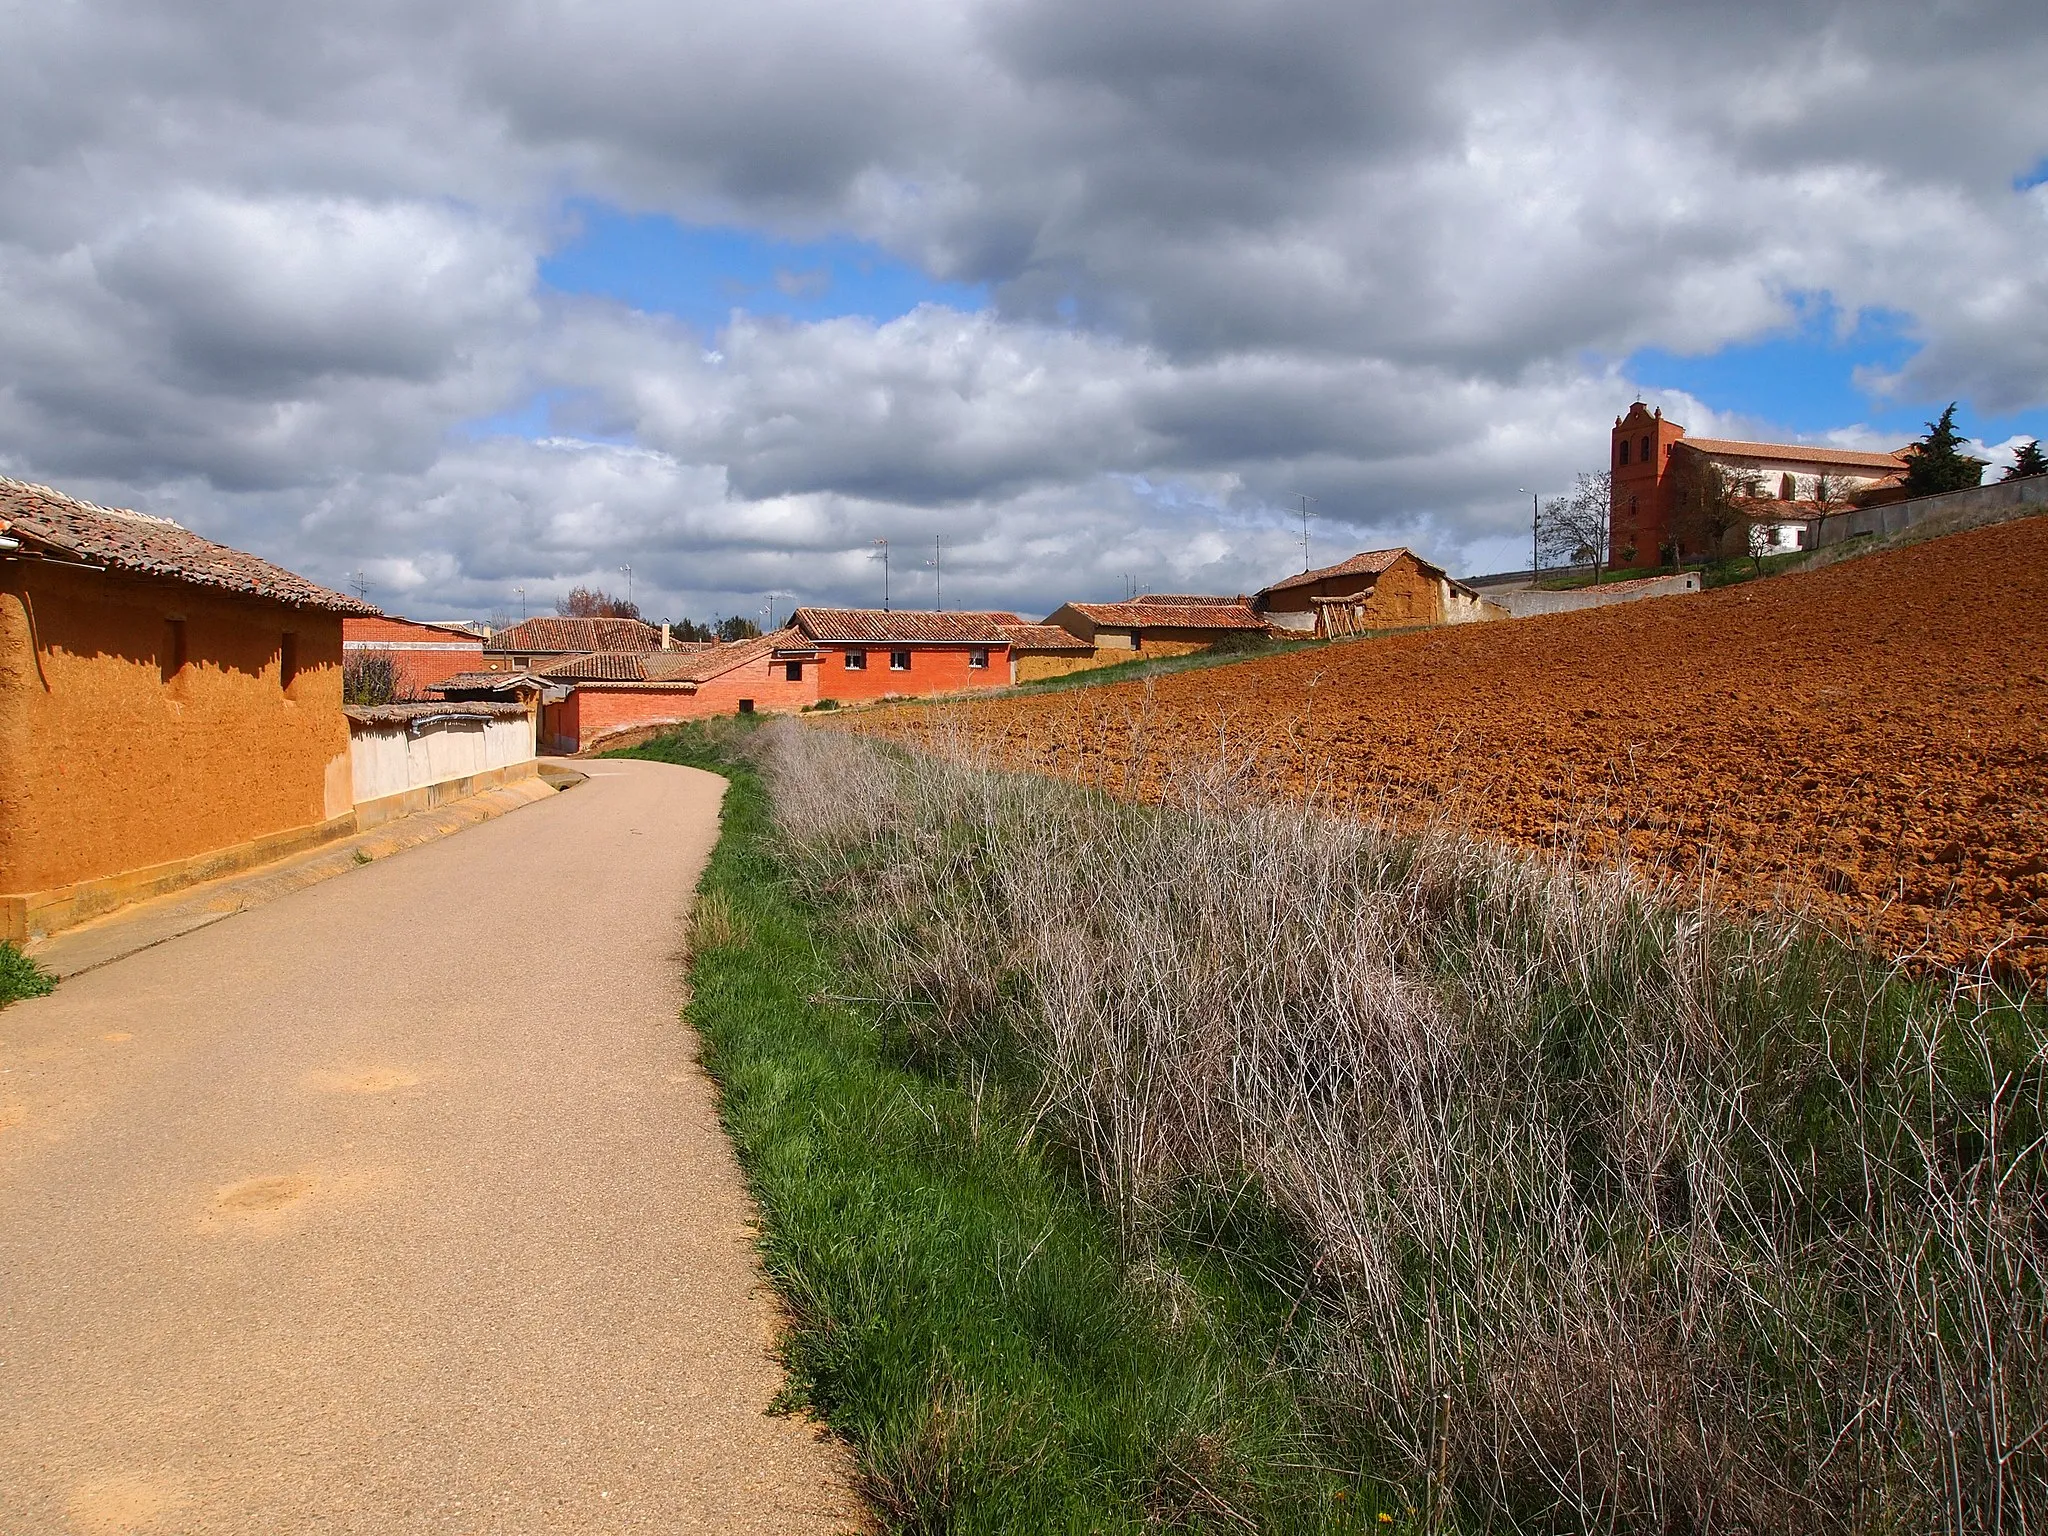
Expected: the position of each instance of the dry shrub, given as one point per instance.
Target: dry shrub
(1623, 1213)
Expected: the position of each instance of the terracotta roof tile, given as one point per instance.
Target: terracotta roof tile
(1371, 563)
(539, 637)
(1806, 453)
(50, 522)
(470, 682)
(1169, 615)
(1189, 599)
(876, 626)
(1045, 637)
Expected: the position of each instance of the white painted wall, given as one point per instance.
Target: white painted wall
(389, 759)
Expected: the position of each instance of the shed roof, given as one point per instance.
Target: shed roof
(879, 626)
(420, 714)
(1045, 637)
(49, 522)
(1373, 562)
(1168, 615)
(549, 634)
(477, 682)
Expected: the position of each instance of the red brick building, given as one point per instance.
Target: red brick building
(612, 692)
(869, 653)
(421, 654)
(533, 641)
(1647, 459)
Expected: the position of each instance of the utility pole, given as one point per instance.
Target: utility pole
(1305, 516)
(629, 584)
(885, 573)
(1532, 527)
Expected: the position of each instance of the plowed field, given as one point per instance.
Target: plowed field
(1868, 742)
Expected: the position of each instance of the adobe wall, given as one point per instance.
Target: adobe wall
(1029, 669)
(1528, 602)
(106, 766)
(933, 669)
(1405, 594)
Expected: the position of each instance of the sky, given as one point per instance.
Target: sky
(474, 304)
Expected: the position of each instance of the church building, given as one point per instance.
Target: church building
(1649, 458)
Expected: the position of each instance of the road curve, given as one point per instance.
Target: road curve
(397, 1205)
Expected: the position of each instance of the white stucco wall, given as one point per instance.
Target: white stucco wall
(389, 759)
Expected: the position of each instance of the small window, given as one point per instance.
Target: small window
(899, 661)
(856, 661)
(793, 671)
(287, 660)
(746, 706)
(978, 657)
(1624, 450)
(1137, 640)
(1788, 487)
(1646, 449)
(171, 660)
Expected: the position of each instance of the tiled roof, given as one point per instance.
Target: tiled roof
(1372, 563)
(595, 667)
(1188, 599)
(1169, 615)
(419, 714)
(1045, 637)
(875, 626)
(1800, 453)
(538, 637)
(472, 682)
(49, 521)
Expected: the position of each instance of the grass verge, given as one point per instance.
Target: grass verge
(21, 977)
(962, 1311)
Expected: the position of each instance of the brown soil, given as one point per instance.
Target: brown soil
(1868, 743)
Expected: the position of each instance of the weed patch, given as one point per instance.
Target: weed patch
(21, 977)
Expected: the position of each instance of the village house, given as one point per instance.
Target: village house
(170, 709)
(543, 639)
(1158, 624)
(1650, 458)
(873, 653)
(421, 654)
(1375, 590)
(1045, 650)
(607, 694)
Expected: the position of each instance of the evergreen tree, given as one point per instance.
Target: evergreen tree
(2028, 461)
(1936, 462)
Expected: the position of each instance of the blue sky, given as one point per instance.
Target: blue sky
(701, 274)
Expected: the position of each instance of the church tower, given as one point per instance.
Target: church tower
(1639, 517)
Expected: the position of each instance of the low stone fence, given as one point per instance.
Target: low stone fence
(409, 757)
(1528, 601)
(1965, 506)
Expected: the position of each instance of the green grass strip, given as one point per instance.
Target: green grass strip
(960, 1311)
(21, 977)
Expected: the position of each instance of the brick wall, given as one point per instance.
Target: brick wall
(421, 653)
(108, 765)
(933, 669)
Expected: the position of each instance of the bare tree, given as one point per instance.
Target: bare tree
(1707, 505)
(372, 677)
(1573, 529)
(595, 603)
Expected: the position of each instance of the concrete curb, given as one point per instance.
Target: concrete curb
(149, 923)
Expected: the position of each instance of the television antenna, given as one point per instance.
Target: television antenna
(938, 591)
(1305, 516)
(361, 585)
(629, 584)
(522, 603)
(883, 544)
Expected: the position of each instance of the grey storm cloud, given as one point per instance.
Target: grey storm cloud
(265, 268)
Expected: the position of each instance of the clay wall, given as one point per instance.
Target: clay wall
(1030, 668)
(113, 758)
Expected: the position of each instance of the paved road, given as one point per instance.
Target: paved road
(397, 1205)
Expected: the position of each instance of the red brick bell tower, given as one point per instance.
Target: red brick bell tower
(1639, 517)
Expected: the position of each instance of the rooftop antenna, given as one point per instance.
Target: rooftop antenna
(1305, 516)
(938, 592)
(884, 543)
(522, 603)
(629, 584)
(362, 586)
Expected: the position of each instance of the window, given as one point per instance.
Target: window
(746, 706)
(1646, 448)
(1137, 640)
(856, 661)
(978, 657)
(171, 660)
(793, 671)
(899, 661)
(1624, 450)
(1788, 487)
(287, 660)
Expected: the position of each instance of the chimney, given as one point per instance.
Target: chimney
(664, 636)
